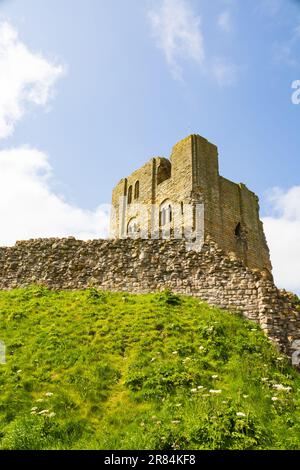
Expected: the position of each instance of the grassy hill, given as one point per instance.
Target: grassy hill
(94, 370)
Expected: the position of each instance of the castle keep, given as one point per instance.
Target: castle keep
(185, 197)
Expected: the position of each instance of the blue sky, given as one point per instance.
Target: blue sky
(126, 80)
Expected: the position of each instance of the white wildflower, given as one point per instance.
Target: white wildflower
(193, 390)
(214, 376)
(19, 371)
(48, 394)
(175, 422)
(282, 388)
(175, 352)
(43, 412)
(200, 387)
(52, 414)
(215, 391)
(34, 408)
(274, 398)
(241, 415)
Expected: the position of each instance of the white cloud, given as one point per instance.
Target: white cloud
(282, 229)
(224, 21)
(177, 31)
(29, 208)
(25, 78)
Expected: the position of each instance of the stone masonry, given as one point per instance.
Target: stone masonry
(142, 266)
(161, 198)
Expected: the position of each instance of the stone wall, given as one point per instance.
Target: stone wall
(142, 266)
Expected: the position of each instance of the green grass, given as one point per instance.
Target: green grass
(94, 370)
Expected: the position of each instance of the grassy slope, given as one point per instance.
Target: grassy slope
(117, 371)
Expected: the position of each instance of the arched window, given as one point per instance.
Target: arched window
(165, 214)
(137, 190)
(163, 171)
(129, 197)
(132, 228)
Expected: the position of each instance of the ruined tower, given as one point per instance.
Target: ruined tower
(185, 195)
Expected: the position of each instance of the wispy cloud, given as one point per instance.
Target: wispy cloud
(177, 30)
(178, 33)
(224, 21)
(287, 51)
(224, 71)
(282, 229)
(25, 78)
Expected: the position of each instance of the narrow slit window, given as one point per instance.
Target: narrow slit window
(194, 217)
(170, 213)
(129, 199)
(137, 190)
